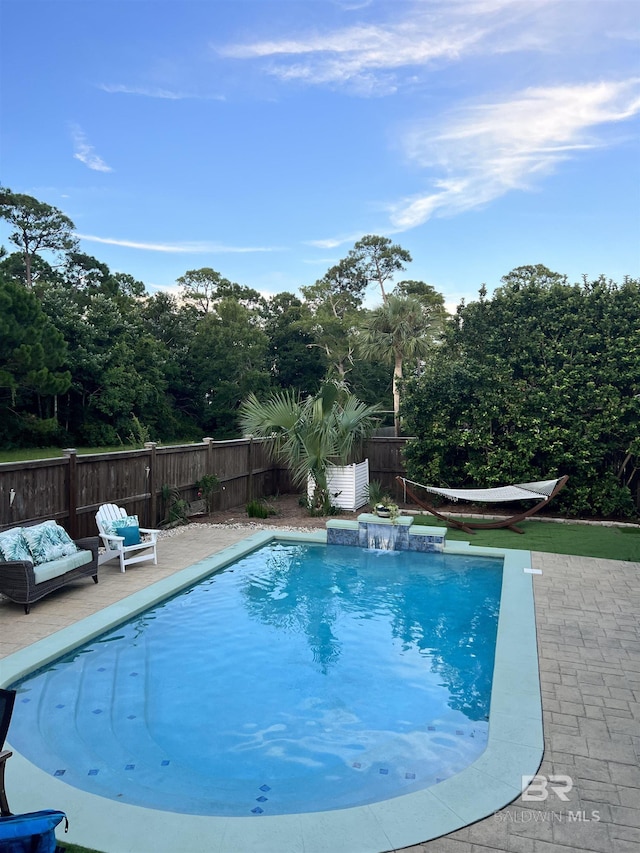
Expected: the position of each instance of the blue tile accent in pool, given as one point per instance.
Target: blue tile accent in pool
(93, 772)
(425, 543)
(59, 772)
(340, 536)
(257, 810)
(265, 788)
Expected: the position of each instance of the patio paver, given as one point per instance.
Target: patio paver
(589, 652)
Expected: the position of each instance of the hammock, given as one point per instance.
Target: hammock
(542, 491)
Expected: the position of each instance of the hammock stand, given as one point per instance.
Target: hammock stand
(546, 490)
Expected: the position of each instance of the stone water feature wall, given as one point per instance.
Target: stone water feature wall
(372, 531)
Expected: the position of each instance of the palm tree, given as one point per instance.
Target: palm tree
(311, 434)
(397, 330)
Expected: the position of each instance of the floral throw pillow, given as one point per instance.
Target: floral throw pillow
(13, 545)
(47, 542)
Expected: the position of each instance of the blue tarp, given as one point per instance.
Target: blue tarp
(30, 833)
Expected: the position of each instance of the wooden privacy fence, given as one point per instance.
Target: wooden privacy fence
(71, 488)
(386, 462)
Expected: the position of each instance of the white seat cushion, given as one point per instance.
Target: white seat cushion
(47, 571)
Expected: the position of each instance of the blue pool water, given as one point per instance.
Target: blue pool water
(301, 678)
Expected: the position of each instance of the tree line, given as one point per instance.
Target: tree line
(87, 355)
(538, 380)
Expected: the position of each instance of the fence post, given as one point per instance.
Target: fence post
(151, 482)
(250, 468)
(209, 463)
(71, 454)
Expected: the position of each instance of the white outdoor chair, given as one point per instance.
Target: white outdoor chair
(114, 544)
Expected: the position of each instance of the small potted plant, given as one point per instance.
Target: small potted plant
(381, 504)
(386, 508)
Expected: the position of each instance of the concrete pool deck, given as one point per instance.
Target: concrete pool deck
(587, 624)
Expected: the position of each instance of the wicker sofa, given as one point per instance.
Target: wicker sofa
(25, 581)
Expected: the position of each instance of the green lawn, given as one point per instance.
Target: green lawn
(30, 453)
(583, 540)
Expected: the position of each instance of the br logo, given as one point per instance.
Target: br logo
(539, 786)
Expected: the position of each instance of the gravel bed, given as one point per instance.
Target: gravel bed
(250, 527)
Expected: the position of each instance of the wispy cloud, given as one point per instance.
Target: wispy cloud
(344, 239)
(157, 92)
(365, 56)
(359, 56)
(177, 248)
(85, 153)
(322, 262)
(352, 5)
(491, 149)
(330, 242)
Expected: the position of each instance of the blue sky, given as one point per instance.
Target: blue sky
(264, 138)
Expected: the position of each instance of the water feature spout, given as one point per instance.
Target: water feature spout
(381, 537)
(383, 534)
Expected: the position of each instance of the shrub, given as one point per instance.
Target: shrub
(375, 493)
(139, 433)
(258, 509)
(175, 507)
(207, 487)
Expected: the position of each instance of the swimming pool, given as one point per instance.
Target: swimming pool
(514, 748)
(302, 678)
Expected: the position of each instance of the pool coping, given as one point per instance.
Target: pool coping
(497, 777)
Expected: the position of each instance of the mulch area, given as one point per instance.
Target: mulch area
(286, 510)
